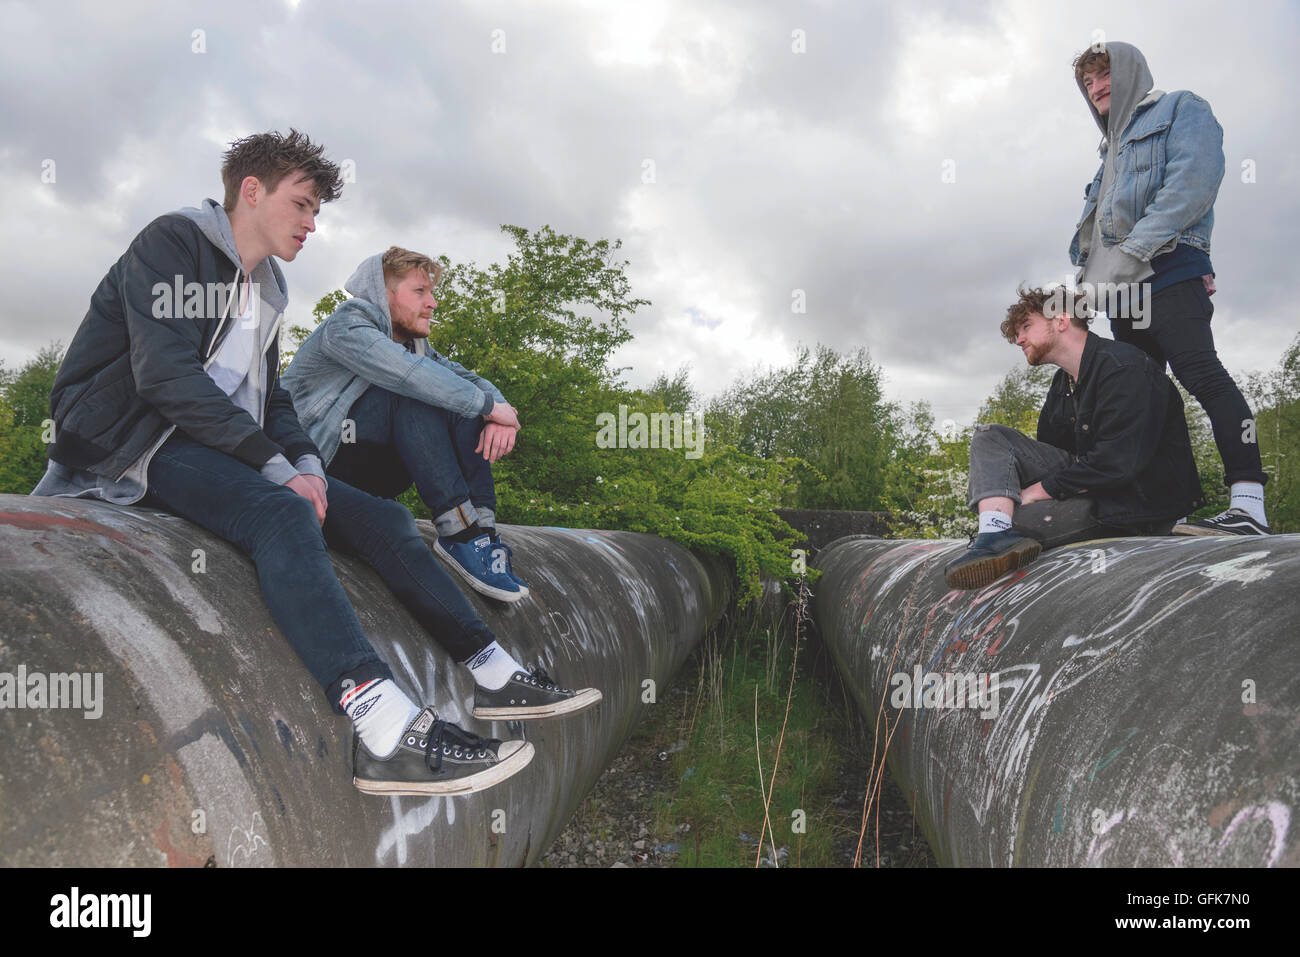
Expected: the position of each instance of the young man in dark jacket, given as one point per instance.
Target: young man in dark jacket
(169, 396)
(1111, 428)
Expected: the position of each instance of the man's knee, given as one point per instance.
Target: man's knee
(394, 518)
(992, 433)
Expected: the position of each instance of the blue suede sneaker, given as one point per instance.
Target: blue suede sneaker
(988, 557)
(508, 555)
(474, 562)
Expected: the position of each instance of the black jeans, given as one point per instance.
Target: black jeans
(278, 530)
(1180, 333)
(1004, 460)
(399, 439)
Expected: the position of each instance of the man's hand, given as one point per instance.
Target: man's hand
(1208, 279)
(504, 414)
(495, 441)
(1035, 493)
(312, 488)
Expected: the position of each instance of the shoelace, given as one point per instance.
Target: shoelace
(457, 740)
(543, 680)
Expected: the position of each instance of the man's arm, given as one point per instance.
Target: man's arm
(165, 352)
(1193, 170)
(473, 377)
(353, 341)
(283, 427)
(1127, 421)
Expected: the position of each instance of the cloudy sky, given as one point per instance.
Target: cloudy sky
(741, 150)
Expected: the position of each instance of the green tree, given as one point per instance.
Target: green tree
(543, 327)
(1018, 398)
(24, 409)
(1275, 396)
(825, 412)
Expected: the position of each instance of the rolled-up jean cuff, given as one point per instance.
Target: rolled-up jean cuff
(362, 673)
(455, 519)
(486, 516)
(1013, 494)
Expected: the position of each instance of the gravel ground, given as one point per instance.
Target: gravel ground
(613, 826)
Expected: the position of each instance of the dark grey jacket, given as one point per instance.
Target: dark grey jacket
(136, 366)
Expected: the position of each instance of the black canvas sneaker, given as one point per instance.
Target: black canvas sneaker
(531, 695)
(1234, 521)
(988, 557)
(437, 757)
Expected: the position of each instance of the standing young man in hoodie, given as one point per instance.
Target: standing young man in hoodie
(168, 396)
(1146, 220)
(386, 410)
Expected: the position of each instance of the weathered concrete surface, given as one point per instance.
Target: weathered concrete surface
(1148, 712)
(215, 744)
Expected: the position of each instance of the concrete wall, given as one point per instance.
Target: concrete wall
(216, 746)
(1148, 712)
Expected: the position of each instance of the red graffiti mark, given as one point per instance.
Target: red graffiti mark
(37, 521)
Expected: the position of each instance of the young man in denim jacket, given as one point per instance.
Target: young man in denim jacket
(169, 397)
(1146, 226)
(387, 410)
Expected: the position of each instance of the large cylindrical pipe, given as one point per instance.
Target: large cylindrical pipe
(212, 743)
(1143, 705)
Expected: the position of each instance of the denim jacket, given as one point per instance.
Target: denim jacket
(1167, 174)
(353, 349)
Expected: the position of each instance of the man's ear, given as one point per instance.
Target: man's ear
(251, 190)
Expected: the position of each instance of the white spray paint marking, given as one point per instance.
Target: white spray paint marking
(147, 652)
(405, 825)
(249, 841)
(1278, 816)
(1232, 569)
(177, 693)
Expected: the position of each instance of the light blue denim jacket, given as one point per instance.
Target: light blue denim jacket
(354, 349)
(1167, 174)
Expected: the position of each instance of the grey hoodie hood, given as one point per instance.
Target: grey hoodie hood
(1130, 82)
(211, 218)
(367, 284)
(1130, 85)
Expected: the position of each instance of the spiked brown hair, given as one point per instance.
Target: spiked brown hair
(273, 156)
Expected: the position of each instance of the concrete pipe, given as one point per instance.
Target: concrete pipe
(156, 716)
(1121, 702)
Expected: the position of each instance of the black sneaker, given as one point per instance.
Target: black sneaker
(1234, 521)
(531, 695)
(436, 757)
(989, 556)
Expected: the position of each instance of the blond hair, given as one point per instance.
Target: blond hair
(397, 262)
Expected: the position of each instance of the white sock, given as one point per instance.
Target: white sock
(492, 667)
(992, 521)
(1249, 497)
(380, 712)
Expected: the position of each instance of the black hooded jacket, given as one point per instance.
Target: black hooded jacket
(1123, 423)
